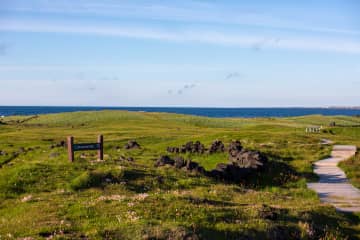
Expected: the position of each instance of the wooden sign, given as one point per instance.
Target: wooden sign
(99, 146)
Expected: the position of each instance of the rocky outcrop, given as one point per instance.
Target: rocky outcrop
(241, 162)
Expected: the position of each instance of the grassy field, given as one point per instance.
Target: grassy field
(42, 195)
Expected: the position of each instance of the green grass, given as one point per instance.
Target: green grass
(352, 169)
(42, 194)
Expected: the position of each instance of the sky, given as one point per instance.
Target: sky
(180, 53)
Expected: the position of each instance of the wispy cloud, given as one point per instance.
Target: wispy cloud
(193, 35)
(232, 75)
(182, 90)
(182, 11)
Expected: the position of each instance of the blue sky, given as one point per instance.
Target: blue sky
(180, 53)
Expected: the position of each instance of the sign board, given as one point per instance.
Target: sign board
(99, 146)
(86, 146)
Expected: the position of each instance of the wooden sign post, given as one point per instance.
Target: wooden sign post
(99, 146)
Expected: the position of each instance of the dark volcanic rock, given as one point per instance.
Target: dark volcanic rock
(190, 165)
(248, 159)
(164, 160)
(179, 162)
(189, 147)
(194, 167)
(61, 144)
(173, 149)
(192, 147)
(234, 148)
(132, 144)
(217, 146)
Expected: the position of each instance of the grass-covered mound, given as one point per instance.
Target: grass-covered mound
(43, 195)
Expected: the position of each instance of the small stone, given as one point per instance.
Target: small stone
(132, 144)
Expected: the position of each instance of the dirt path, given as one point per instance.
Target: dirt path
(333, 186)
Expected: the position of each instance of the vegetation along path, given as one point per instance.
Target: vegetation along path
(333, 186)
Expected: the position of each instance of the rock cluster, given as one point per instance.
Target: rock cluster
(132, 144)
(241, 163)
(189, 147)
(179, 163)
(216, 147)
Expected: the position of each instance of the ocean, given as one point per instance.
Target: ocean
(208, 112)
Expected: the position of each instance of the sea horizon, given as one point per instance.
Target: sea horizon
(219, 112)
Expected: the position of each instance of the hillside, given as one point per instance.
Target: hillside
(43, 195)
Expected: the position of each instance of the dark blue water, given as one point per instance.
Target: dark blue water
(209, 112)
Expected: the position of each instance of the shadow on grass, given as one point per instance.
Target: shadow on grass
(141, 181)
(274, 174)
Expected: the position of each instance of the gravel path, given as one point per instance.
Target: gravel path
(333, 186)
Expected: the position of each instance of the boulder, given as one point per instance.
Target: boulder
(164, 160)
(179, 162)
(217, 146)
(173, 149)
(190, 165)
(192, 147)
(194, 167)
(234, 148)
(248, 159)
(132, 144)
